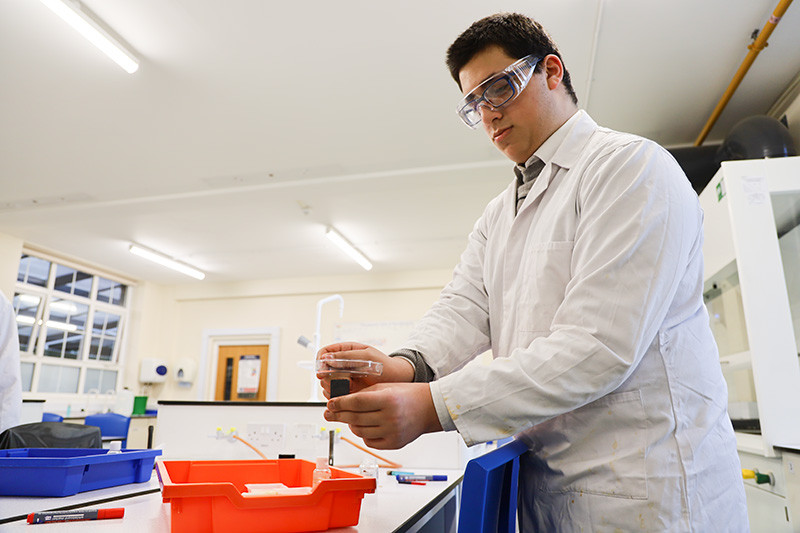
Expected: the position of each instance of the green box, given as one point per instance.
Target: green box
(139, 405)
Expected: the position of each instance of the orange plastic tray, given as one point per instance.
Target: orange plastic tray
(206, 496)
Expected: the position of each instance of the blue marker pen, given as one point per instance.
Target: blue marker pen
(436, 477)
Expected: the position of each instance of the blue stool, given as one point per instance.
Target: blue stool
(51, 417)
(489, 491)
(112, 426)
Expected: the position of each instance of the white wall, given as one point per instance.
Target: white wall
(168, 322)
(149, 332)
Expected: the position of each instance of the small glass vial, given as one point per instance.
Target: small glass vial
(368, 467)
(323, 471)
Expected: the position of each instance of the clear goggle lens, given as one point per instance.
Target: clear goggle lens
(497, 91)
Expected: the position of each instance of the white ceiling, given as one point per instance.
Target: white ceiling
(253, 124)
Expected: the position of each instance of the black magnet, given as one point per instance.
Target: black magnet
(340, 387)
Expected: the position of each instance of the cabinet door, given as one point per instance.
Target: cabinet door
(767, 512)
(137, 432)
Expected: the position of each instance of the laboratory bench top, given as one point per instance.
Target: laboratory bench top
(392, 508)
(241, 403)
(15, 509)
(83, 416)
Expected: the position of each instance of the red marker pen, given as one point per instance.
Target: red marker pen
(71, 516)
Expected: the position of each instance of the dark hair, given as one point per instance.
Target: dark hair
(518, 36)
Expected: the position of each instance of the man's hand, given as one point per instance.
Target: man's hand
(395, 369)
(387, 416)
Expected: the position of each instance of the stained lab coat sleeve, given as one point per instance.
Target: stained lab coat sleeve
(10, 382)
(633, 230)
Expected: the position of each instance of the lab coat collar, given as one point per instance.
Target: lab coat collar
(565, 145)
(550, 147)
(562, 149)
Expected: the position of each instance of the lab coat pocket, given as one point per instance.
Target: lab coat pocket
(598, 448)
(545, 274)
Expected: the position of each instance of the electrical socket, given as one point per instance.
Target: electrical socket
(300, 435)
(305, 440)
(266, 435)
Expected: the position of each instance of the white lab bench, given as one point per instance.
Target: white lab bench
(14, 510)
(392, 508)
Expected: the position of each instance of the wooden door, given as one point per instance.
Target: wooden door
(242, 373)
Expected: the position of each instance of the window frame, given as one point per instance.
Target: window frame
(36, 345)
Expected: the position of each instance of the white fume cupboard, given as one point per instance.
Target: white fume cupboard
(752, 292)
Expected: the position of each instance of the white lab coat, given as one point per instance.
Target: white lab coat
(590, 300)
(10, 389)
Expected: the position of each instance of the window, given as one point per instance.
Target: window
(70, 323)
(33, 270)
(110, 291)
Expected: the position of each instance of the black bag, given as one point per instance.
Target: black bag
(51, 435)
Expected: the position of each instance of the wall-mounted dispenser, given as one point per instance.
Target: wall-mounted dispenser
(152, 371)
(186, 371)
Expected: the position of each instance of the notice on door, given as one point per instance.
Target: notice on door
(249, 374)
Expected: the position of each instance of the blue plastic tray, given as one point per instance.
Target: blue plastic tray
(67, 471)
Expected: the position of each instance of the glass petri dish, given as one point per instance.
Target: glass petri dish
(348, 366)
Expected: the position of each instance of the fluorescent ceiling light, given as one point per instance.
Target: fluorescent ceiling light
(72, 13)
(168, 262)
(348, 248)
(64, 306)
(29, 299)
(52, 324)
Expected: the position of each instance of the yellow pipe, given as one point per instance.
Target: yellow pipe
(759, 44)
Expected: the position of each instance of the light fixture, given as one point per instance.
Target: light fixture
(63, 326)
(348, 248)
(74, 14)
(168, 262)
(64, 307)
(51, 324)
(29, 299)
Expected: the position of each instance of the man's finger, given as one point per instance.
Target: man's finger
(342, 347)
(380, 444)
(371, 432)
(355, 418)
(346, 354)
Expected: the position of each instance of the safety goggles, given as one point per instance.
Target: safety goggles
(497, 91)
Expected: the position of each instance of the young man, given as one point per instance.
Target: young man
(585, 279)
